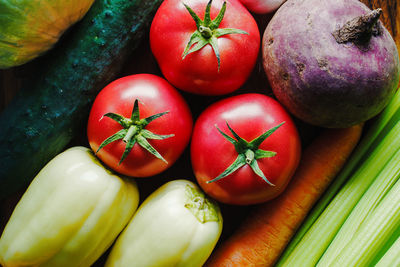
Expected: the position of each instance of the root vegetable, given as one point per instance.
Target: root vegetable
(333, 64)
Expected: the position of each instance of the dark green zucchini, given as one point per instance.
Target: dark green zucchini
(52, 109)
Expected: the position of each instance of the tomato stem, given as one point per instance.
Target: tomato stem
(134, 132)
(131, 132)
(208, 32)
(249, 156)
(248, 153)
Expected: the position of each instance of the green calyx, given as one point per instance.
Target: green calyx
(134, 132)
(208, 32)
(248, 153)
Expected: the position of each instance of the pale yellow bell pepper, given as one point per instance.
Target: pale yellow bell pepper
(177, 225)
(70, 214)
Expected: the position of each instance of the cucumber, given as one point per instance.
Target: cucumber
(52, 108)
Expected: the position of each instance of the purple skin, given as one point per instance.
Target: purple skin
(319, 80)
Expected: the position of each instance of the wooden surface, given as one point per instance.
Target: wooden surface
(10, 81)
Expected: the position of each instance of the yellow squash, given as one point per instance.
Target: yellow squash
(29, 28)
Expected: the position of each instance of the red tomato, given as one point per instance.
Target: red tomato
(249, 116)
(155, 95)
(262, 6)
(199, 71)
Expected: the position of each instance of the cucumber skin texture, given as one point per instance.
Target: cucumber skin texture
(52, 109)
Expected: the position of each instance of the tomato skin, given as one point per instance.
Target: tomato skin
(155, 95)
(249, 115)
(262, 6)
(198, 72)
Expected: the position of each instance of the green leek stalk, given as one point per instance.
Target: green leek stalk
(380, 126)
(363, 210)
(317, 237)
(374, 233)
(71, 213)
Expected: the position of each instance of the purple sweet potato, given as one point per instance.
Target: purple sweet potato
(330, 63)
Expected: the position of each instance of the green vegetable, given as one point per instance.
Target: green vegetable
(391, 257)
(356, 196)
(175, 226)
(70, 214)
(374, 232)
(364, 209)
(53, 108)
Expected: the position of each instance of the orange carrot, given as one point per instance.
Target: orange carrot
(263, 236)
